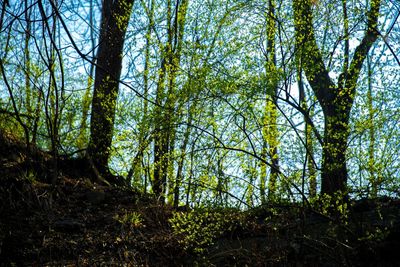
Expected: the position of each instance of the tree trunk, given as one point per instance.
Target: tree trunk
(334, 169)
(114, 22)
(336, 100)
(164, 118)
(309, 138)
(136, 170)
(179, 175)
(82, 136)
(270, 128)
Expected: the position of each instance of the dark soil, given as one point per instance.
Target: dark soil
(80, 223)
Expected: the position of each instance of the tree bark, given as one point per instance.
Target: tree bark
(114, 22)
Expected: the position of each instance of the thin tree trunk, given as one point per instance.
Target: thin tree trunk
(309, 140)
(53, 98)
(136, 170)
(164, 122)
(82, 138)
(270, 129)
(27, 60)
(178, 180)
(374, 181)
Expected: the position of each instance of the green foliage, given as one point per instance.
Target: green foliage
(218, 80)
(333, 205)
(375, 235)
(132, 218)
(198, 229)
(30, 176)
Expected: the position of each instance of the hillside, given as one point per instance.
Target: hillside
(81, 223)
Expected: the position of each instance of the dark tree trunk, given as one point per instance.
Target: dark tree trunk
(114, 22)
(336, 100)
(161, 160)
(334, 167)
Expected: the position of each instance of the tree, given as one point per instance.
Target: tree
(270, 129)
(114, 23)
(336, 100)
(82, 136)
(199, 111)
(166, 96)
(56, 82)
(136, 171)
(309, 138)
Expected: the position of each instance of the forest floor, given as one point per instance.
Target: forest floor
(78, 223)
